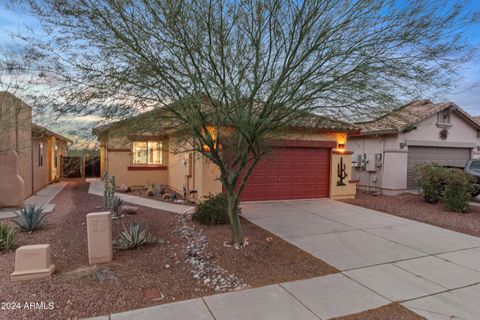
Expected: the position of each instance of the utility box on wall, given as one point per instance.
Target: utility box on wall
(371, 162)
(99, 235)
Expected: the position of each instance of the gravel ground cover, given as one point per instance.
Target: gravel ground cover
(412, 206)
(191, 262)
(392, 311)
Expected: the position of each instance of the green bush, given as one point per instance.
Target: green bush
(458, 190)
(134, 236)
(31, 218)
(7, 237)
(213, 211)
(432, 181)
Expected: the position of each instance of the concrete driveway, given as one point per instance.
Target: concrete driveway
(433, 271)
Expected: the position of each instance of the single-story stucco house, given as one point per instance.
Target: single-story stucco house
(388, 150)
(302, 164)
(30, 155)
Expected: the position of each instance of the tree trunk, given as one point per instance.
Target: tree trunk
(237, 237)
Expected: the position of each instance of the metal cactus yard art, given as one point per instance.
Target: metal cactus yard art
(341, 172)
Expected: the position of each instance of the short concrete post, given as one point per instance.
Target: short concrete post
(33, 262)
(99, 234)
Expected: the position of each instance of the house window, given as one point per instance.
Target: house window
(40, 155)
(147, 152)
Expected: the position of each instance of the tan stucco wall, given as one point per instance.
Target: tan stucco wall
(117, 165)
(15, 136)
(347, 191)
(12, 185)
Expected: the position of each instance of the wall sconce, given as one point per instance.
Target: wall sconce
(341, 147)
(402, 145)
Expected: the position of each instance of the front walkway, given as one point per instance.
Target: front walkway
(96, 188)
(41, 198)
(432, 271)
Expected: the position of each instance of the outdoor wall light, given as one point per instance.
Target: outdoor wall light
(341, 147)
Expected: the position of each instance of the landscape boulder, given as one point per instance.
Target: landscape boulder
(131, 210)
(123, 188)
(159, 189)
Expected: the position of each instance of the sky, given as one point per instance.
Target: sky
(466, 94)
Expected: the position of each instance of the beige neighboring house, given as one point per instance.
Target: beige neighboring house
(388, 151)
(30, 155)
(302, 164)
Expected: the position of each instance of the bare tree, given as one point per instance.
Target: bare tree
(232, 74)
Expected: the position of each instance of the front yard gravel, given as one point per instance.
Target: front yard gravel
(79, 290)
(412, 206)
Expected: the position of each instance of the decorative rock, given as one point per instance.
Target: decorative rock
(123, 188)
(269, 239)
(167, 266)
(105, 274)
(202, 266)
(166, 196)
(159, 189)
(131, 210)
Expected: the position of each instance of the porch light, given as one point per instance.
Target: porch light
(341, 147)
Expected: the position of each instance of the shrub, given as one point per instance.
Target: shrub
(458, 190)
(213, 211)
(7, 237)
(134, 236)
(31, 218)
(432, 181)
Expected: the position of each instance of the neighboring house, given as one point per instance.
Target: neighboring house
(301, 164)
(30, 155)
(389, 150)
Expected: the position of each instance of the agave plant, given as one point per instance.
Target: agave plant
(31, 218)
(7, 237)
(116, 204)
(134, 236)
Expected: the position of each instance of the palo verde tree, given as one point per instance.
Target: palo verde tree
(229, 75)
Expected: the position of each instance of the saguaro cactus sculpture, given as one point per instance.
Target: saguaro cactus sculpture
(341, 172)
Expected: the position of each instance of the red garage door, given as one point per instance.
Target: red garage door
(290, 173)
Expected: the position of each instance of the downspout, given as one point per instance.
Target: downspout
(193, 171)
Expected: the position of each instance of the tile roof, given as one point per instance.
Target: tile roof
(39, 131)
(150, 119)
(477, 118)
(408, 115)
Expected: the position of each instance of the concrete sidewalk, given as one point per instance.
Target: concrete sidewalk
(96, 188)
(41, 198)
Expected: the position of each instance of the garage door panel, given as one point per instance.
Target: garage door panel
(290, 173)
(418, 156)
